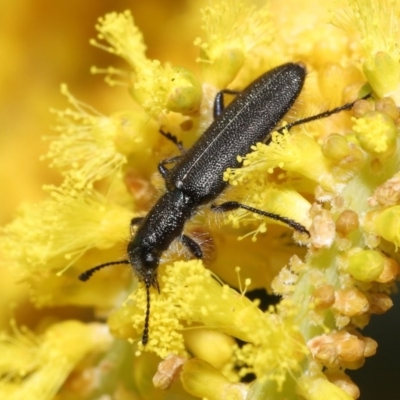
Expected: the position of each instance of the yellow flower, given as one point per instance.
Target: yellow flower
(233, 30)
(90, 146)
(337, 177)
(378, 25)
(48, 238)
(36, 367)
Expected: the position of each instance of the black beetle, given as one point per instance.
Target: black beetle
(196, 176)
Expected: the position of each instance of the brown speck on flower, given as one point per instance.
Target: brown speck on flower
(379, 303)
(347, 222)
(324, 297)
(339, 349)
(350, 302)
(361, 107)
(370, 346)
(340, 379)
(387, 194)
(389, 107)
(168, 370)
(390, 271)
(322, 229)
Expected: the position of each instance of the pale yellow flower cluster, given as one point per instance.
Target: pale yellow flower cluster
(338, 177)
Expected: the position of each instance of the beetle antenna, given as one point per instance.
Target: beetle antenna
(145, 337)
(84, 276)
(324, 114)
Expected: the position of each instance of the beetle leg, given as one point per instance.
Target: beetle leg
(161, 166)
(234, 205)
(173, 139)
(135, 221)
(171, 160)
(193, 246)
(219, 101)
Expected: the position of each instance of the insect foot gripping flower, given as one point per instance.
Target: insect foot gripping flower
(338, 177)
